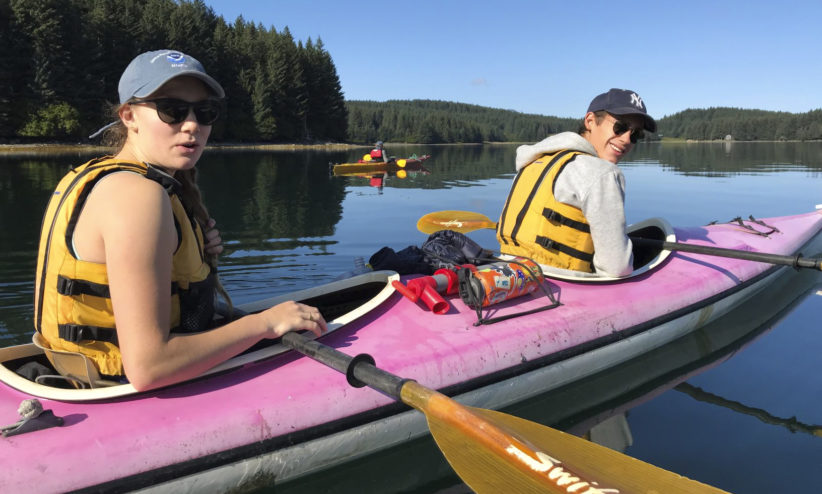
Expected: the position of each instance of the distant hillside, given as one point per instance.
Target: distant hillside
(743, 125)
(434, 122)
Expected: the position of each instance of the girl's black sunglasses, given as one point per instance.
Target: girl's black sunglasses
(621, 127)
(173, 110)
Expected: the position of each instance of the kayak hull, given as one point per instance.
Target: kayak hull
(286, 417)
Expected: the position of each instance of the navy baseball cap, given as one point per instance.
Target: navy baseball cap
(622, 102)
(150, 70)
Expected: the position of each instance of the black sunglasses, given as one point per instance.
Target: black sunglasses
(173, 110)
(621, 127)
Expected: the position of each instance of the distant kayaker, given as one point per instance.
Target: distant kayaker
(566, 207)
(126, 273)
(379, 153)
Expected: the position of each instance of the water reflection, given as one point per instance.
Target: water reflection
(729, 158)
(271, 196)
(378, 180)
(792, 424)
(638, 381)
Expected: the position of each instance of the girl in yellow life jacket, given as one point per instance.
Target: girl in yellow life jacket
(566, 207)
(126, 265)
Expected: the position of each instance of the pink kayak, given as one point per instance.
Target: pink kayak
(274, 415)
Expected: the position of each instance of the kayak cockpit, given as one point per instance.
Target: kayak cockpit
(340, 302)
(645, 258)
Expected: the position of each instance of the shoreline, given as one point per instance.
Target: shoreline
(56, 149)
(83, 149)
(49, 148)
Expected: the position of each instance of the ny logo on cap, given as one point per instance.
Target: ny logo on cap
(637, 101)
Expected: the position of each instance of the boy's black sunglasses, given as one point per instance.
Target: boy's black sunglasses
(173, 110)
(621, 127)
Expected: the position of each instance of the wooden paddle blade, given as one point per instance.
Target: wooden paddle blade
(458, 221)
(494, 452)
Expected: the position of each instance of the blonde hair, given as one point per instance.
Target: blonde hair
(116, 136)
(193, 203)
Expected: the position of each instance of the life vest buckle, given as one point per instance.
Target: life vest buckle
(546, 242)
(552, 215)
(72, 332)
(76, 333)
(65, 286)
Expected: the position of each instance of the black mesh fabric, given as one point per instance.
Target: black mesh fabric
(197, 306)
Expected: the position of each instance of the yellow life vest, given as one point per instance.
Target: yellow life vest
(73, 309)
(534, 224)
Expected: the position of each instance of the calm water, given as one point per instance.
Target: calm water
(745, 417)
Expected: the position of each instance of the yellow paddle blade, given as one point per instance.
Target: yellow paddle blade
(401, 163)
(589, 460)
(494, 452)
(458, 221)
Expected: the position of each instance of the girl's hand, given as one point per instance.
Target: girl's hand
(213, 242)
(292, 316)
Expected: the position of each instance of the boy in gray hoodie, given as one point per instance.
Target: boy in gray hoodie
(576, 221)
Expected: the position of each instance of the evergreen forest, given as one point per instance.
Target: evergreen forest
(434, 122)
(425, 121)
(61, 60)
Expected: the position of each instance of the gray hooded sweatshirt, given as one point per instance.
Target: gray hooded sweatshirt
(595, 186)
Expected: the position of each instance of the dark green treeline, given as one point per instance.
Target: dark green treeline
(61, 60)
(742, 125)
(431, 122)
(435, 122)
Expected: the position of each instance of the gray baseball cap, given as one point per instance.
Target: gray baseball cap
(150, 70)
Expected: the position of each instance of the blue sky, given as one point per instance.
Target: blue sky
(553, 57)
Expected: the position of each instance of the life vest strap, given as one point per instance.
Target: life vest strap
(556, 217)
(531, 195)
(547, 243)
(76, 332)
(68, 286)
(166, 181)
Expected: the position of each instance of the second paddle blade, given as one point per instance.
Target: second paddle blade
(458, 221)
